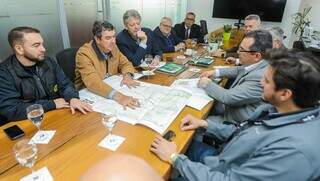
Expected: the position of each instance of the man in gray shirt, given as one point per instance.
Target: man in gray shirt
(278, 142)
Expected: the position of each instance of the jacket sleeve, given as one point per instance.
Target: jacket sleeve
(12, 106)
(220, 130)
(156, 50)
(134, 57)
(67, 89)
(90, 76)
(230, 72)
(270, 163)
(246, 93)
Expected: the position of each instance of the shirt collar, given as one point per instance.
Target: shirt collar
(280, 119)
(251, 67)
(101, 55)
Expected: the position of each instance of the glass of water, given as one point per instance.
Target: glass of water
(194, 43)
(26, 154)
(35, 114)
(109, 122)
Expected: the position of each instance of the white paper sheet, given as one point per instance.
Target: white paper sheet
(159, 105)
(43, 137)
(199, 97)
(42, 174)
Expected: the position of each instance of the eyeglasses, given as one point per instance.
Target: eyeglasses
(246, 51)
(190, 19)
(167, 26)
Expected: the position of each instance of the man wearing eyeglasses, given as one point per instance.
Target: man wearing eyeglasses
(244, 95)
(188, 29)
(166, 36)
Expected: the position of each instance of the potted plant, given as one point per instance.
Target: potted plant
(300, 22)
(227, 32)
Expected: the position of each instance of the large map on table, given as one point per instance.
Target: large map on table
(160, 105)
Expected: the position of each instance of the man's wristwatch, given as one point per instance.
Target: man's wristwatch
(173, 158)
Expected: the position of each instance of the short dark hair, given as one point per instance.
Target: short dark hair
(299, 72)
(262, 41)
(16, 34)
(100, 26)
(191, 13)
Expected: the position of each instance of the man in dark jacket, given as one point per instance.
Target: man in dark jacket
(136, 42)
(166, 36)
(188, 30)
(28, 77)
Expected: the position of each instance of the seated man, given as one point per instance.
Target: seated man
(188, 29)
(166, 37)
(277, 37)
(28, 77)
(135, 42)
(244, 95)
(251, 22)
(278, 142)
(101, 58)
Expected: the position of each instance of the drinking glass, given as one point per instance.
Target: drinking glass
(26, 154)
(194, 43)
(148, 60)
(109, 122)
(35, 114)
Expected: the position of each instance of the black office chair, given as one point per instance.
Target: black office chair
(204, 28)
(67, 61)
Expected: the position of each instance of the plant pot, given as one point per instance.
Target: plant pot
(226, 36)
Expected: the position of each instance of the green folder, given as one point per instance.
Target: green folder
(171, 68)
(203, 61)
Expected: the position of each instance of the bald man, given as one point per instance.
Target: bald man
(120, 167)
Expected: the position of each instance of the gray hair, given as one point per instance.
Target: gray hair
(253, 17)
(131, 13)
(277, 34)
(165, 19)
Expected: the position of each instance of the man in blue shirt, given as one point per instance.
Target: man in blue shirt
(166, 36)
(135, 42)
(278, 142)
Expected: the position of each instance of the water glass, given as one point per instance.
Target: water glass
(35, 114)
(26, 154)
(109, 122)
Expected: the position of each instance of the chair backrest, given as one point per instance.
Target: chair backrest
(204, 28)
(67, 61)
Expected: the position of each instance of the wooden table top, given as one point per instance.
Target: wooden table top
(74, 147)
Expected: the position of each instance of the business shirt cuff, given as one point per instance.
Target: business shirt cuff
(237, 62)
(217, 73)
(111, 94)
(143, 45)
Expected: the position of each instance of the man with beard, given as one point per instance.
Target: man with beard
(279, 142)
(28, 77)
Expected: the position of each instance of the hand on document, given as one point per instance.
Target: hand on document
(203, 82)
(126, 101)
(128, 81)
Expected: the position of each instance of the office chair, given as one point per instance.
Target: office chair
(204, 28)
(67, 61)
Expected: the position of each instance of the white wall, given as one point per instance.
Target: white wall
(203, 10)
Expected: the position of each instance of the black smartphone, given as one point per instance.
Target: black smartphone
(14, 132)
(169, 135)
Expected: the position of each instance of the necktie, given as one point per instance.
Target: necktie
(186, 35)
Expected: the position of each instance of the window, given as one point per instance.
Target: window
(151, 11)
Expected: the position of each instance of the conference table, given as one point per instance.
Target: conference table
(74, 147)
